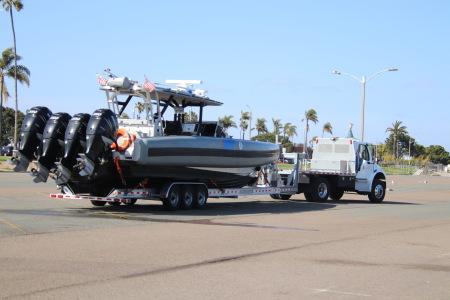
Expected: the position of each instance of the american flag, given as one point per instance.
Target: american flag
(101, 80)
(148, 85)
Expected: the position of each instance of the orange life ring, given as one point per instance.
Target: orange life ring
(126, 140)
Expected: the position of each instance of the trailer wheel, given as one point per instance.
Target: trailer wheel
(172, 202)
(336, 194)
(200, 197)
(275, 196)
(187, 197)
(320, 190)
(132, 202)
(98, 203)
(308, 197)
(285, 197)
(378, 191)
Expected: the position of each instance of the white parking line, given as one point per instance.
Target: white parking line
(320, 291)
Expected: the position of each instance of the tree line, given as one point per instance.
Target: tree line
(399, 145)
(282, 133)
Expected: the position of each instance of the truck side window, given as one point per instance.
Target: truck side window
(364, 152)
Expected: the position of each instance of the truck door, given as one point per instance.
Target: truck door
(364, 171)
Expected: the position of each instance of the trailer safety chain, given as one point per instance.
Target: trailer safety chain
(217, 186)
(266, 181)
(119, 169)
(142, 184)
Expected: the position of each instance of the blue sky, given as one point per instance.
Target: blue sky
(276, 57)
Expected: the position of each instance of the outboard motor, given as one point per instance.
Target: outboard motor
(75, 142)
(100, 134)
(52, 145)
(31, 134)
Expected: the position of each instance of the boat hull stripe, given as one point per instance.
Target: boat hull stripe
(209, 152)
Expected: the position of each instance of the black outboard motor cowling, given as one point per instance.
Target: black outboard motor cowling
(31, 134)
(32, 130)
(52, 145)
(101, 131)
(74, 143)
(75, 136)
(100, 134)
(54, 132)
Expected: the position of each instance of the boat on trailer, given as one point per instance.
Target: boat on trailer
(95, 154)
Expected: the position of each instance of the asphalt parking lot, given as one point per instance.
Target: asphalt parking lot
(248, 248)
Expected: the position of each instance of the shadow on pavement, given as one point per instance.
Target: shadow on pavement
(215, 209)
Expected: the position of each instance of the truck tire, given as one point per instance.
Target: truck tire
(378, 191)
(285, 196)
(187, 197)
(320, 190)
(172, 202)
(336, 194)
(98, 203)
(275, 196)
(200, 197)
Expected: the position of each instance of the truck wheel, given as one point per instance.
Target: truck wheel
(275, 196)
(187, 197)
(336, 194)
(378, 191)
(320, 190)
(172, 202)
(285, 197)
(200, 197)
(98, 203)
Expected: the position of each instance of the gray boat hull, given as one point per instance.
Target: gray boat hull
(215, 161)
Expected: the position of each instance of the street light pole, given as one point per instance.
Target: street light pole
(250, 129)
(363, 81)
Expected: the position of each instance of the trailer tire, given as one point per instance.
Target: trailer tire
(172, 202)
(275, 196)
(187, 197)
(98, 203)
(132, 202)
(378, 191)
(320, 190)
(308, 197)
(200, 197)
(285, 197)
(336, 194)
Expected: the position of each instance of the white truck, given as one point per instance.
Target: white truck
(338, 165)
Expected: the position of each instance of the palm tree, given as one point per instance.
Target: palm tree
(291, 131)
(327, 128)
(396, 130)
(140, 106)
(276, 128)
(7, 5)
(7, 70)
(244, 125)
(261, 126)
(226, 122)
(310, 115)
(190, 116)
(286, 128)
